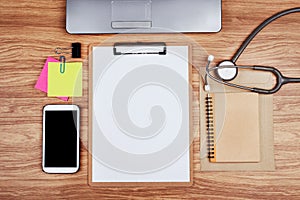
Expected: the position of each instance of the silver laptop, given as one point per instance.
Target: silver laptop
(140, 16)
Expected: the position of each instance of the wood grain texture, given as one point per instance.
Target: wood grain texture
(29, 32)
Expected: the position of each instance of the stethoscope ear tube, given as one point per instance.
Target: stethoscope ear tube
(278, 84)
(280, 80)
(221, 81)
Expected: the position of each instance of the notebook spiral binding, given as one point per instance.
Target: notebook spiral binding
(210, 127)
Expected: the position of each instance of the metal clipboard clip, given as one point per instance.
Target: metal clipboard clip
(141, 48)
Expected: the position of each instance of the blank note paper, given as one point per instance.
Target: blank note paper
(42, 82)
(67, 83)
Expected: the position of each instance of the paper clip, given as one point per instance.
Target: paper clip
(62, 65)
(76, 50)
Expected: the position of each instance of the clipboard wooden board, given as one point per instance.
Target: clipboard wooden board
(128, 155)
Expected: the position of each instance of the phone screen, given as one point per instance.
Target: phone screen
(60, 138)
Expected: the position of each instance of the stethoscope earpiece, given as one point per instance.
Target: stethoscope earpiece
(227, 73)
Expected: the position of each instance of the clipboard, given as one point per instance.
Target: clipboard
(138, 135)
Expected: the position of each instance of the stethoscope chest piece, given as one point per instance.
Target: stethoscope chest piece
(227, 73)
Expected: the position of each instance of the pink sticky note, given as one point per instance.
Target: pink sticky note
(42, 82)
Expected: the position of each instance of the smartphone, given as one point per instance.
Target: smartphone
(60, 138)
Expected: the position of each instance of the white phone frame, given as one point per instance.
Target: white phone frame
(61, 108)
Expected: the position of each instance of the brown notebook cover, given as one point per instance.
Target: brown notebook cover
(233, 127)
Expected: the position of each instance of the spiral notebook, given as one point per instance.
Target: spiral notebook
(233, 127)
(236, 129)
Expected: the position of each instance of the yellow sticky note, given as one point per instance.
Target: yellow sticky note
(68, 83)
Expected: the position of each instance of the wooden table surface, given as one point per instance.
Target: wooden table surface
(29, 32)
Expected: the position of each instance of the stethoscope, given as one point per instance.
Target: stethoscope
(227, 70)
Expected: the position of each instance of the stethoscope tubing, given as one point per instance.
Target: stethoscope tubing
(280, 79)
(259, 28)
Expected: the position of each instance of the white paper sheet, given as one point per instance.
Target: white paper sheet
(140, 129)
